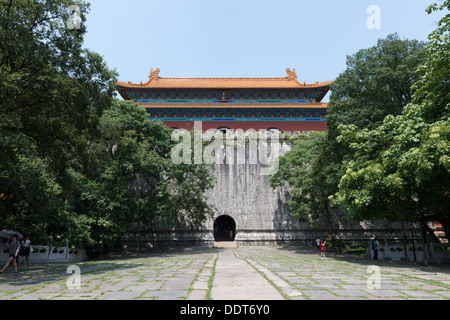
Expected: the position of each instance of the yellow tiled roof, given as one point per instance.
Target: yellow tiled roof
(157, 82)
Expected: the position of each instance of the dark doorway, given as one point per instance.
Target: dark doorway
(224, 228)
(224, 130)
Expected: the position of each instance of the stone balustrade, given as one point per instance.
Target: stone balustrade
(48, 254)
(436, 252)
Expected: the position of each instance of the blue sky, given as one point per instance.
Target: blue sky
(244, 38)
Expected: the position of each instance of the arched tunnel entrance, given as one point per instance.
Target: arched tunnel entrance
(224, 228)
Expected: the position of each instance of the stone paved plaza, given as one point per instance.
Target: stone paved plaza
(245, 273)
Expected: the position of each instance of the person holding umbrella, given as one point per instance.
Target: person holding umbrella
(9, 233)
(13, 247)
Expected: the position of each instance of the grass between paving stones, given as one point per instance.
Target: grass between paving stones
(310, 268)
(104, 271)
(7, 293)
(195, 279)
(293, 265)
(58, 269)
(181, 263)
(211, 279)
(293, 285)
(411, 288)
(284, 295)
(403, 279)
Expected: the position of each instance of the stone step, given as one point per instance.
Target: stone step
(225, 244)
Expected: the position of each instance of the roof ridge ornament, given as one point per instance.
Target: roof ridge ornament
(292, 75)
(154, 75)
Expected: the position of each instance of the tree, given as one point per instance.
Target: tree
(376, 83)
(136, 184)
(74, 163)
(52, 94)
(401, 169)
(304, 169)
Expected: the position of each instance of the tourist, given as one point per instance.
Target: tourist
(25, 250)
(318, 241)
(375, 248)
(13, 247)
(322, 249)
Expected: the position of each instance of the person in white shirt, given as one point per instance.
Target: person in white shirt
(25, 250)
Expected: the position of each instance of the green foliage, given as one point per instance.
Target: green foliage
(136, 184)
(52, 93)
(307, 169)
(74, 163)
(376, 83)
(400, 170)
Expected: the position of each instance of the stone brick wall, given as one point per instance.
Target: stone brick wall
(262, 215)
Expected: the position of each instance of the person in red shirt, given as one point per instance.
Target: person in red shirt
(322, 249)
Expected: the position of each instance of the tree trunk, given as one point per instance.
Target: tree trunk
(153, 231)
(328, 219)
(405, 240)
(424, 242)
(413, 242)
